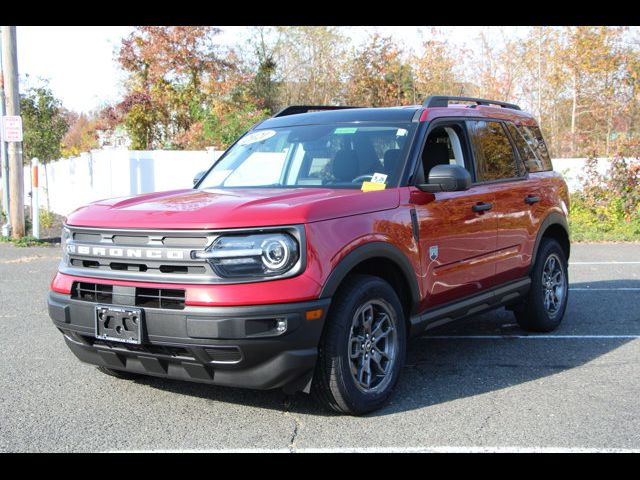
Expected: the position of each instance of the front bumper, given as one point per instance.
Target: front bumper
(231, 346)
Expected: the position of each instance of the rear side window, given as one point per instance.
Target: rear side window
(533, 136)
(495, 158)
(531, 162)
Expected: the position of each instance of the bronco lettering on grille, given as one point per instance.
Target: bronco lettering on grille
(123, 252)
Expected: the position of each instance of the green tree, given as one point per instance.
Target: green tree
(264, 87)
(44, 124)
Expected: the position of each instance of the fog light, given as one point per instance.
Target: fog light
(281, 326)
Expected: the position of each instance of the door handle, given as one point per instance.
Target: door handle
(531, 199)
(482, 207)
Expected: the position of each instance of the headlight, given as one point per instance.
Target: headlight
(263, 254)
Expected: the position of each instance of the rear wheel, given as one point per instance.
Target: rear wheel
(362, 350)
(544, 307)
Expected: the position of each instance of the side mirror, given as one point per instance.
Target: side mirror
(198, 177)
(447, 178)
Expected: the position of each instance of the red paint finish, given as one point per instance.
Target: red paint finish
(464, 240)
(519, 222)
(296, 289)
(231, 208)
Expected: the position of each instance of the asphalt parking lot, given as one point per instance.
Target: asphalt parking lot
(481, 384)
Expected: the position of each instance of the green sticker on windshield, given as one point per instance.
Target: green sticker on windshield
(343, 130)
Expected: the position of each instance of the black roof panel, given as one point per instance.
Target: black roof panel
(351, 115)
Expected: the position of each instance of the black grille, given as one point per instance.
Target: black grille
(168, 298)
(224, 354)
(160, 298)
(92, 292)
(165, 350)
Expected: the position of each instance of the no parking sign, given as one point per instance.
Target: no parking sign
(12, 128)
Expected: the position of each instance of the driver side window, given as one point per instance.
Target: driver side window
(445, 145)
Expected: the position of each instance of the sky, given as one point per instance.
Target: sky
(79, 62)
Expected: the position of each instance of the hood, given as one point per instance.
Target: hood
(231, 208)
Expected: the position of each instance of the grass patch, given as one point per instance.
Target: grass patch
(27, 241)
(603, 223)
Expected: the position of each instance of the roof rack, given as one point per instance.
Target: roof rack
(443, 101)
(295, 109)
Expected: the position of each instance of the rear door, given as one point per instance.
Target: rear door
(500, 166)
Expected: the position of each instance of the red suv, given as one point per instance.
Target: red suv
(321, 240)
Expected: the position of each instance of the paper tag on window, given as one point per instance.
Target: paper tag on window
(379, 178)
(372, 187)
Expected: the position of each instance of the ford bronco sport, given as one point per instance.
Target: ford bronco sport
(316, 245)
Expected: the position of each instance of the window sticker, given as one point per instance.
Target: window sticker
(402, 132)
(258, 136)
(345, 130)
(379, 178)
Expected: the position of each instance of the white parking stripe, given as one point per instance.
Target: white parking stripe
(530, 337)
(612, 289)
(604, 263)
(435, 449)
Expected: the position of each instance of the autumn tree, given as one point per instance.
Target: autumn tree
(436, 67)
(168, 68)
(311, 64)
(81, 135)
(378, 77)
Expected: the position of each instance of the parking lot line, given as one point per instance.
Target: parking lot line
(435, 449)
(531, 337)
(597, 289)
(605, 263)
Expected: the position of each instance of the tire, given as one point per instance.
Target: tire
(118, 373)
(363, 300)
(544, 307)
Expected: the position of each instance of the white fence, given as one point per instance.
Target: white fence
(69, 183)
(72, 182)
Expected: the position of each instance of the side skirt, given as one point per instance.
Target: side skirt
(494, 298)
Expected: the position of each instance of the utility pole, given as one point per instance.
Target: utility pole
(4, 165)
(16, 172)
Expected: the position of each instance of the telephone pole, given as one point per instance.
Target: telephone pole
(6, 227)
(16, 173)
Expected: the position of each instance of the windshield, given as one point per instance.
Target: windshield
(332, 156)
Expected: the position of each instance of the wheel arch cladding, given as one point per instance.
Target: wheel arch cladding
(382, 260)
(554, 226)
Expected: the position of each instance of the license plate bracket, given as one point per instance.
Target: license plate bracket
(119, 324)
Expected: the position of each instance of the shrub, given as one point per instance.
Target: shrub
(607, 207)
(46, 218)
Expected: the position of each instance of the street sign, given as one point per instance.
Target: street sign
(12, 128)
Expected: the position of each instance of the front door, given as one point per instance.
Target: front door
(458, 230)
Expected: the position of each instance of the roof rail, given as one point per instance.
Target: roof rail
(443, 101)
(295, 109)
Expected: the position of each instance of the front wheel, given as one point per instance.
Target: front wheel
(362, 350)
(544, 307)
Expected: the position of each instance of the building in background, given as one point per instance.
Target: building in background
(116, 138)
